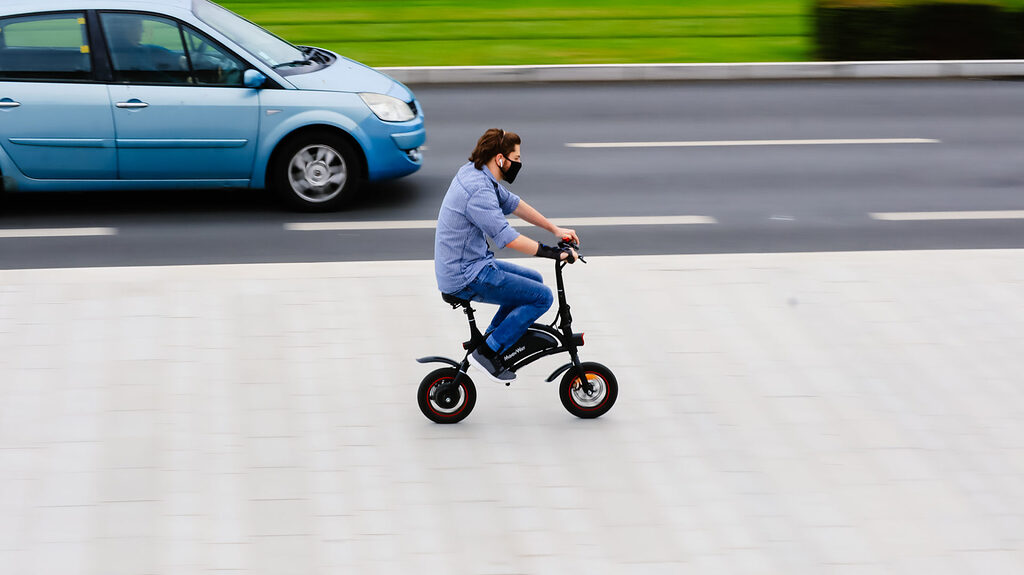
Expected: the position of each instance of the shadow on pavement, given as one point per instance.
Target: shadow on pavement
(209, 204)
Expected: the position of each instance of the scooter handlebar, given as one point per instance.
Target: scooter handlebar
(567, 243)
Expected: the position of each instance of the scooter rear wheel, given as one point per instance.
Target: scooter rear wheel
(595, 401)
(441, 406)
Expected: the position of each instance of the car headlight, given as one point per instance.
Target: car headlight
(388, 108)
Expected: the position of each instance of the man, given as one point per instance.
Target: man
(474, 208)
(138, 62)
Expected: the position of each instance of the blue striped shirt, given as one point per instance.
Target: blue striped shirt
(474, 207)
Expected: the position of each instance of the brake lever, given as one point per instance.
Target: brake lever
(565, 243)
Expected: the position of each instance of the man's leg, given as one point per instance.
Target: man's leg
(523, 299)
(511, 268)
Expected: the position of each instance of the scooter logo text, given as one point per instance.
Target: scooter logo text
(515, 352)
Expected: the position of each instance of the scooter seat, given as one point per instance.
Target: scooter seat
(454, 301)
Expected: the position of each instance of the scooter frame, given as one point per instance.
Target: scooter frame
(539, 341)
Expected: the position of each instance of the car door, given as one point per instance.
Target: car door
(181, 111)
(55, 121)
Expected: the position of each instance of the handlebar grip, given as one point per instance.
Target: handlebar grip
(565, 245)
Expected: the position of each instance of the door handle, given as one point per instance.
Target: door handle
(132, 104)
(9, 103)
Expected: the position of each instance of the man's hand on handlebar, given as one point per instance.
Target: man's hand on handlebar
(567, 234)
(570, 251)
(569, 244)
(566, 251)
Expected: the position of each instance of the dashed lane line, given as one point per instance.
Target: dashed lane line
(946, 216)
(564, 222)
(23, 233)
(56, 232)
(739, 143)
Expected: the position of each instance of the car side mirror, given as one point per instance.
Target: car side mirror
(253, 79)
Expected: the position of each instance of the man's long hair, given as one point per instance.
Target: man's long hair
(492, 143)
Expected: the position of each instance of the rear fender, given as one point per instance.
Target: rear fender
(439, 359)
(7, 171)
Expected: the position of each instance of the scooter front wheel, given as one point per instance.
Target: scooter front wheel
(443, 403)
(592, 399)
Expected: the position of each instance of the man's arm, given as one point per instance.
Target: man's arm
(532, 216)
(525, 245)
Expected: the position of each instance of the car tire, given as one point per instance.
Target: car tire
(316, 172)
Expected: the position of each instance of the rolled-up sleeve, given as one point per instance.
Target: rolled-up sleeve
(484, 211)
(509, 201)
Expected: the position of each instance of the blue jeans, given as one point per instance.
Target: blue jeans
(519, 291)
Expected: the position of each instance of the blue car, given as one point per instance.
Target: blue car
(140, 94)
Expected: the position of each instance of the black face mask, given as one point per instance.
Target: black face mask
(509, 175)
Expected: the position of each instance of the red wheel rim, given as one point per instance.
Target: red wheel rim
(442, 411)
(585, 401)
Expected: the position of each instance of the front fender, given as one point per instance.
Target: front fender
(558, 372)
(279, 120)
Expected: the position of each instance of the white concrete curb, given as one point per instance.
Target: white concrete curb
(748, 71)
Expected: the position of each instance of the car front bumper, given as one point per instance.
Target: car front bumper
(400, 154)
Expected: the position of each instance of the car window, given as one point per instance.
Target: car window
(145, 49)
(211, 64)
(273, 51)
(45, 47)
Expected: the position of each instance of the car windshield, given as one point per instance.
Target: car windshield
(273, 51)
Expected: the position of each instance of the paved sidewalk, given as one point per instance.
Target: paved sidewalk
(847, 413)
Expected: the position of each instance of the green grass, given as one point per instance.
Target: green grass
(450, 32)
(62, 32)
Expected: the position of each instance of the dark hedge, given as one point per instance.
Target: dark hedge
(918, 30)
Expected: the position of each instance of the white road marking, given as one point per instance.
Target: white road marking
(627, 221)
(737, 143)
(56, 232)
(564, 222)
(349, 226)
(939, 216)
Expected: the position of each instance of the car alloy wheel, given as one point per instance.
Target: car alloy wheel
(318, 173)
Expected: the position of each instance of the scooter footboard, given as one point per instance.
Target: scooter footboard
(538, 341)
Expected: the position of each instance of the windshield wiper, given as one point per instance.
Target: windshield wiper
(313, 56)
(294, 63)
(318, 55)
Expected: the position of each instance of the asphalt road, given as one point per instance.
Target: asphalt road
(769, 197)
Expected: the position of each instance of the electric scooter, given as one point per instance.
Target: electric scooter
(587, 389)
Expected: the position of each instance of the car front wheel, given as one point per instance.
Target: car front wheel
(317, 172)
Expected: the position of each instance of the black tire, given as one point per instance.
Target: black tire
(316, 172)
(437, 409)
(578, 401)
(3, 193)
